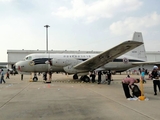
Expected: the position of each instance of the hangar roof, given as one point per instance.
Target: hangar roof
(50, 51)
(3, 63)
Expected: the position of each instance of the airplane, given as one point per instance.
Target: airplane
(119, 58)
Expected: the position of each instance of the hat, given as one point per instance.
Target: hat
(155, 67)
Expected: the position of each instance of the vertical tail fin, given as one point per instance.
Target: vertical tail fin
(138, 52)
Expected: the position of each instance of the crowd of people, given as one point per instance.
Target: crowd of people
(128, 83)
(106, 74)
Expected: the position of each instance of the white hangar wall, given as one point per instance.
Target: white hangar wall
(151, 56)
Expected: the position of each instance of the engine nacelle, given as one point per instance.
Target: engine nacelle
(70, 68)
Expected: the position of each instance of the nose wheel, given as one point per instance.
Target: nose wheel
(35, 78)
(75, 76)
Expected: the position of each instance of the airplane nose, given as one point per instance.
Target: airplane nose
(17, 66)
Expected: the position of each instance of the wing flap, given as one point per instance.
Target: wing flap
(108, 55)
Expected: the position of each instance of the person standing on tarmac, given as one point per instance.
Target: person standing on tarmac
(21, 76)
(109, 75)
(7, 74)
(2, 77)
(93, 75)
(99, 77)
(143, 75)
(155, 78)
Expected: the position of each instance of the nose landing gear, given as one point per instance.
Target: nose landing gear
(35, 78)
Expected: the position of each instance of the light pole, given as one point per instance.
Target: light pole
(46, 37)
(47, 26)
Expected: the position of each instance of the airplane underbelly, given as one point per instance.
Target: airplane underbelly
(56, 69)
(46, 67)
(41, 68)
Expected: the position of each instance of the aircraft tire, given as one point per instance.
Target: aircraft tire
(86, 79)
(75, 76)
(82, 78)
(35, 79)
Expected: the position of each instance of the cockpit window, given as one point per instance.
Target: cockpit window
(28, 58)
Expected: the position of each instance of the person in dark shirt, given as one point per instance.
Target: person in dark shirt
(155, 78)
(7, 74)
(109, 75)
(99, 77)
(93, 75)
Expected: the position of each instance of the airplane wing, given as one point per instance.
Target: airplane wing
(108, 56)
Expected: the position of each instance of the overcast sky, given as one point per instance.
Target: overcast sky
(77, 24)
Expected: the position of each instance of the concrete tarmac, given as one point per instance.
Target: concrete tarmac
(67, 99)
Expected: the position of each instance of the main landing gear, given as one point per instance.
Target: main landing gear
(75, 76)
(84, 78)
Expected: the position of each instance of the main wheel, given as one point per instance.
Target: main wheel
(75, 76)
(82, 78)
(86, 79)
(35, 79)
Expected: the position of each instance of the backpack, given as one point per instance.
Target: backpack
(136, 91)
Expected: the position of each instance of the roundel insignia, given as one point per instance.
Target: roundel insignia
(125, 60)
(31, 63)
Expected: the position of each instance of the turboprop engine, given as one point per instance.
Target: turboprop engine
(70, 68)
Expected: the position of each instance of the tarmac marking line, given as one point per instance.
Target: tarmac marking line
(14, 96)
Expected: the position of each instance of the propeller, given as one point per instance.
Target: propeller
(49, 61)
